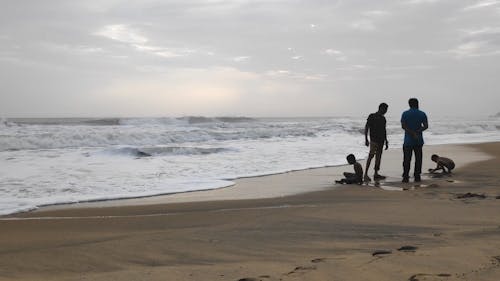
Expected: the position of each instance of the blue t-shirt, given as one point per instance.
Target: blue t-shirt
(414, 120)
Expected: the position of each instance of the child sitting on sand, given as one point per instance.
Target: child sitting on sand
(443, 163)
(357, 176)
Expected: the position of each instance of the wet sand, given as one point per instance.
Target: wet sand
(445, 228)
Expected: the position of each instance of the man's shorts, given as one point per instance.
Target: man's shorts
(376, 147)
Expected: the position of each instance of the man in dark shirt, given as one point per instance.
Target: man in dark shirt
(414, 122)
(376, 125)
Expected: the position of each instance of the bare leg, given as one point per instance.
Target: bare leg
(368, 162)
(378, 159)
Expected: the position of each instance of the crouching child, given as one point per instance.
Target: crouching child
(443, 163)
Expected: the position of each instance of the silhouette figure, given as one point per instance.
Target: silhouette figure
(442, 163)
(376, 125)
(352, 178)
(413, 122)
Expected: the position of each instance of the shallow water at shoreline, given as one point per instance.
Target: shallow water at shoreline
(298, 182)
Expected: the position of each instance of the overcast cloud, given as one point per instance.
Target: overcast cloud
(251, 58)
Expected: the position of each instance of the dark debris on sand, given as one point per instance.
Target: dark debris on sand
(415, 276)
(408, 249)
(470, 195)
(254, 279)
(381, 252)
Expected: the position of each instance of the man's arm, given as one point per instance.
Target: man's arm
(367, 143)
(425, 124)
(386, 141)
(424, 127)
(439, 166)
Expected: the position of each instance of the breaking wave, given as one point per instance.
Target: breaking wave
(124, 121)
(162, 151)
(31, 134)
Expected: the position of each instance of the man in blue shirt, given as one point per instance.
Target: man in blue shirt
(414, 122)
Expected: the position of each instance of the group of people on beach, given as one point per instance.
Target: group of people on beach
(414, 123)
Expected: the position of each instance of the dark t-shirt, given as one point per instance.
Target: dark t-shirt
(376, 123)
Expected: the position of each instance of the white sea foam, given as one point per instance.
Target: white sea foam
(50, 161)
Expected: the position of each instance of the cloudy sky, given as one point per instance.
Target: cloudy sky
(247, 58)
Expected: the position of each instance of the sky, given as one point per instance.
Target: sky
(260, 58)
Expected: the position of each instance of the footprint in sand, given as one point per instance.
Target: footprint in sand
(301, 270)
(495, 261)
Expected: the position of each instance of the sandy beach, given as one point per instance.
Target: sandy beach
(207, 140)
(292, 226)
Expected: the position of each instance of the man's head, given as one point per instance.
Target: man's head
(351, 159)
(434, 157)
(382, 108)
(413, 102)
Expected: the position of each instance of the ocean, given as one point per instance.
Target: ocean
(68, 160)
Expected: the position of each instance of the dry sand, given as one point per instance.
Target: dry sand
(331, 233)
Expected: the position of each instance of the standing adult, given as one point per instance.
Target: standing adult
(413, 122)
(376, 125)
